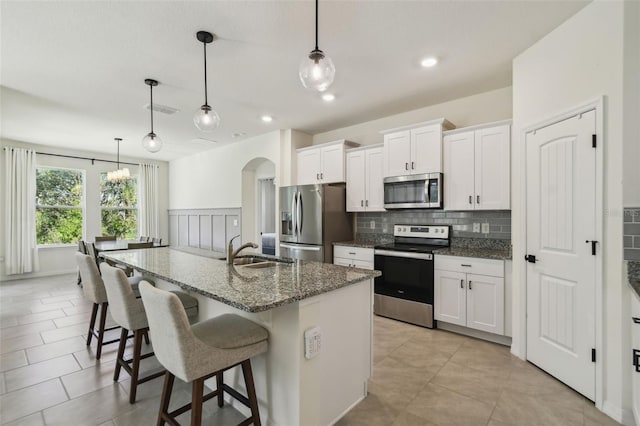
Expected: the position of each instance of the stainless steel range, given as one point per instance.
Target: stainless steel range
(405, 289)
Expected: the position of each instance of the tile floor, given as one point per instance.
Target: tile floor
(421, 377)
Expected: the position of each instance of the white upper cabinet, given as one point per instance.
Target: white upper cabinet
(477, 168)
(322, 163)
(415, 149)
(364, 180)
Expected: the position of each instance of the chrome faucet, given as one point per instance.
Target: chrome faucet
(232, 254)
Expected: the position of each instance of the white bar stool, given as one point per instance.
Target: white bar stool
(196, 353)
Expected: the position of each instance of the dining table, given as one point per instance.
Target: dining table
(113, 245)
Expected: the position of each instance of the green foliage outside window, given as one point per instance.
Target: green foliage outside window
(119, 200)
(59, 206)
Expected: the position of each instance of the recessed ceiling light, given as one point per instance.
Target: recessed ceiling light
(429, 62)
(267, 118)
(328, 97)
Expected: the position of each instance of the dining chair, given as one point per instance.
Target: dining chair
(157, 241)
(143, 239)
(93, 252)
(139, 245)
(105, 238)
(82, 248)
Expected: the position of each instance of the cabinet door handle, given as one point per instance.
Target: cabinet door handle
(317, 176)
(366, 203)
(465, 265)
(636, 360)
(406, 166)
(478, 199)
(461, 283)
(352, 252)
(470, 199)
(412, 165)
(470, 285)
(322, 177)
(636, 320)
(361, 203)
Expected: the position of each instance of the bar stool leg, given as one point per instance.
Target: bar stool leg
(120, 358)
(166, 397)
(220, 387)
(92, 322)
(196, 401)
(135, 367)
(103, 319)
(251, 391)
(146, 337)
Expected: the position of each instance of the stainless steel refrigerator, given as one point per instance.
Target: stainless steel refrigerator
(312, 218)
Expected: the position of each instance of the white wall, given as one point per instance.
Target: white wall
(577, 62)
(213, 179)
(481, 108)
(631, 105)
(59, 260)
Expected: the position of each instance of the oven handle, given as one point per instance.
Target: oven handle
(391, 253)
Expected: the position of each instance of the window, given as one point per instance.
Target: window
(59, 205)
(119, 207)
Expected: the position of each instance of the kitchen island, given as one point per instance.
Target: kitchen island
(287, 299)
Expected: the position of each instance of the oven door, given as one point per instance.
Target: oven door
(405, 275)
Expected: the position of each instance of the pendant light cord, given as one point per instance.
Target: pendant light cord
(206, 101)
(316, 24)
(151, 106)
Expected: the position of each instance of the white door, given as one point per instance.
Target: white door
(492, 172)
(450, 298)
(485, 303)
(374, 180)
(308, 167)
(560, 218)
(397, 153)
(332, 163)
(426, 149)
(458, 171)
(355, 181)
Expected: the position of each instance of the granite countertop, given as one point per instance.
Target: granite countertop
(357, 243)
(484, 253)
(248, 289)
(633, 274)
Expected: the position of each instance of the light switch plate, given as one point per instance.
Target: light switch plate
(235, 222)
(476, 227)
(485, 228)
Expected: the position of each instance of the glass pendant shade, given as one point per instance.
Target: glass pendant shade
(206, 119)
(151, 142)
(120, 174)
(317, 71)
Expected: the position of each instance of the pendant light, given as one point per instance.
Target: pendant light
(151, 142)
(205, 118)
(316, 70)
(119, 174)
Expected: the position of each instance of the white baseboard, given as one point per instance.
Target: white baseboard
(619, 414)
(4, 278)
(495, 338)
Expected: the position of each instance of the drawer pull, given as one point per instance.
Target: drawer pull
(470, 285)
(636, 320)
(461, 283)
(352, 252)
(465, 265)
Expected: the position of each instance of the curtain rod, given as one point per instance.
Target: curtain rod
(93, 160)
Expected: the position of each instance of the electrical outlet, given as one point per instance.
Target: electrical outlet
(312, 342)
(485, 228)
(235, 222)
(372, 224)
(476, 227)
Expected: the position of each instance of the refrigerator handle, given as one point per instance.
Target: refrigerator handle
(293, 212)
(301, 217)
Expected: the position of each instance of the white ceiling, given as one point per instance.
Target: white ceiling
(72, 73)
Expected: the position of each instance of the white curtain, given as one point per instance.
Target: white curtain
(21, 253)
(148, 200)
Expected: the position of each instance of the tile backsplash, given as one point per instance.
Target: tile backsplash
(499, 222)
(632, 233)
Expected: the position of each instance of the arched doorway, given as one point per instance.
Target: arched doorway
(259, 204)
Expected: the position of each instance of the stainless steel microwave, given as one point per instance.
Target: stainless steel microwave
(413, 191)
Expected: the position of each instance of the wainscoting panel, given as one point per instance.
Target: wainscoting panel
(208, 229)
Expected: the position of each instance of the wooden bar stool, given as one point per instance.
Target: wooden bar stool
(196, 353)
(128, 312)
(94, 291)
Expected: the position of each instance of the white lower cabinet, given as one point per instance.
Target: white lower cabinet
(635, 342)
(465, 295)
(354, 257)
